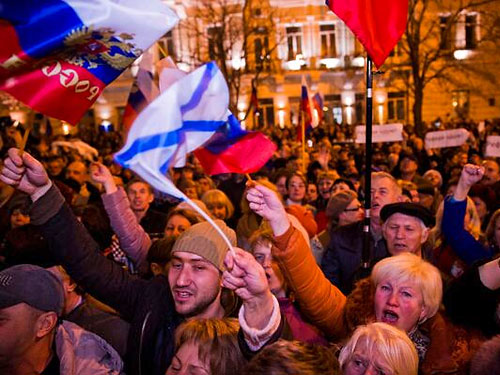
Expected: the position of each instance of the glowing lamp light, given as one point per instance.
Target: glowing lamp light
(297, 63)
(242, 106)
(237, 63)
(281, 118)
(349, 113)
(380, 113)
(293, 65)
(348, 98)
(358, 61)
(331, 62)
(65, 128)
(462, 54)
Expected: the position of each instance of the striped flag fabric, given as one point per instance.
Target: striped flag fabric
(306, 118)
(181, 119)
(318, 106)
(144, 90)
(57, 56)
(234, 150)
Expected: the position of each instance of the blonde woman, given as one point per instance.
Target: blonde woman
(379, 348)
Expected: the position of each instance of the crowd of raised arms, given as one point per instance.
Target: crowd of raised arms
(102, 274)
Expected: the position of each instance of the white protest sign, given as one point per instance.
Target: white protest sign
(492, 146)
(380, 133)
(446, 138)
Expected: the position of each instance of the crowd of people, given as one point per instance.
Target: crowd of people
(102, 274)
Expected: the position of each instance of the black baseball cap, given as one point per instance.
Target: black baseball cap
(32, 285)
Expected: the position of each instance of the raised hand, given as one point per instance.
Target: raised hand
(248, 280)
(265, 202)
(25, 173)
(471, 174)
(100, 174)
(244, 275)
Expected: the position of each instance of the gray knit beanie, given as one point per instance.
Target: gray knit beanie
(202, 239)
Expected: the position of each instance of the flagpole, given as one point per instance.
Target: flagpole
(303, 127)
(365, 256)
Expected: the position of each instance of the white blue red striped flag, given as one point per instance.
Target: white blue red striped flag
(180, 120)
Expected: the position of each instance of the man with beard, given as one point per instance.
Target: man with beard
(154, 308)
(343, 255)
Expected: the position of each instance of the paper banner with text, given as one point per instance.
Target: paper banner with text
(380, 133)
(446, 138)
(492, 146)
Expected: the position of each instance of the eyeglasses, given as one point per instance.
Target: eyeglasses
(353, 209)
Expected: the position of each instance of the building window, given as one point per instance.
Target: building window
(359, 106)
(167, 45)
(265, 116)
(491, 102)
(294, 41)
(461, 103)
(333, 106)
(445, 34)
(261, 49)
(396, 106)
(328, 45)
(214, 40)
(471, 29)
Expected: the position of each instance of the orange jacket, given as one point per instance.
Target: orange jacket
(321, 302)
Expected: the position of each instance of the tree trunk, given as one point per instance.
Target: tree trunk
(417, 110)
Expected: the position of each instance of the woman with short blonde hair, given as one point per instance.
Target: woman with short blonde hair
(382, 347)
(410, 269)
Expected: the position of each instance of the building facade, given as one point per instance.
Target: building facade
(273, 44)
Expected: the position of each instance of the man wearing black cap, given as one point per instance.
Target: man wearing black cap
(406, 227)
(33, 342)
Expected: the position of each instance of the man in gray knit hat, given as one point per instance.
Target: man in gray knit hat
(196, 269)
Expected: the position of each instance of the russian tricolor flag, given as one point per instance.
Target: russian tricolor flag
(58, 55)
(318, 106)
(306, 122)
(234, 150)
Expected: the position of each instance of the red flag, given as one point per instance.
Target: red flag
(378, 24)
